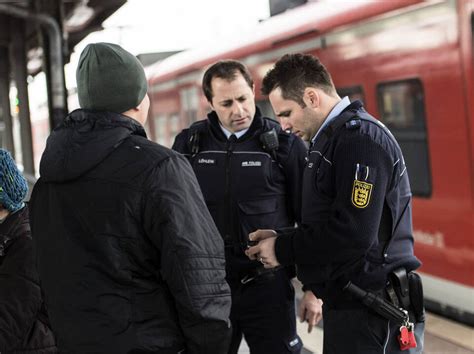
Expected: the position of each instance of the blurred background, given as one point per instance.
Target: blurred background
(410, 62)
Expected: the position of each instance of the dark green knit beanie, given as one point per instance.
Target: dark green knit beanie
(109, 78)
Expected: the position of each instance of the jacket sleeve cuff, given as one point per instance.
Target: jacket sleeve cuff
(284, 249)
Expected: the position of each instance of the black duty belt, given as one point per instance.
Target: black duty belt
(378, 304)
(404, 291)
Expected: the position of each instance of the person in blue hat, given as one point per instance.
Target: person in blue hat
(24, 325)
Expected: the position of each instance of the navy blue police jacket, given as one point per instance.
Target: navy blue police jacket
(356, 209)
(244, 186)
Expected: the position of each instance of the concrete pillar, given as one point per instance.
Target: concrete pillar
(18, 55)
(5, 113)
(52, 65)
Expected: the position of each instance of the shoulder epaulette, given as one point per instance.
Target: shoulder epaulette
(194, 132)
(199, 124)
(353, 124)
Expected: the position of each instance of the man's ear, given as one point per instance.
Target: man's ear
(139, 107)
(131, 111)
(211, 105)
(311, 97)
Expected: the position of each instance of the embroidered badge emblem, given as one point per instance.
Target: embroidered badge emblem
(361, 192)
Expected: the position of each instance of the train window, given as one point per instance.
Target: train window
(161, 131)
(353, 92)
(174, 127)
(402, 109)
(472, 34)
(189, 104)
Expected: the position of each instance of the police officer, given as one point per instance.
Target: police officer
(250, 173)
(356, 214)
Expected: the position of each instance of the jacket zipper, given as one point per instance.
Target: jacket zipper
(227, 193)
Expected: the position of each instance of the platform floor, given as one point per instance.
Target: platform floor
(442, 336)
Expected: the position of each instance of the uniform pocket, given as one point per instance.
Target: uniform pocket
(324, 181)
(257, 214)
(258, 207)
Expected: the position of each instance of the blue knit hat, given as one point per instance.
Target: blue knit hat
(13, 186)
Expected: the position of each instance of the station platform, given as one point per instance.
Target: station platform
(442, 336)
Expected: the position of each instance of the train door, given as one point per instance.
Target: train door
(471, 91)
(466, 15)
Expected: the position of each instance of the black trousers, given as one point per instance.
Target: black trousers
(263, 311)
(361, 331)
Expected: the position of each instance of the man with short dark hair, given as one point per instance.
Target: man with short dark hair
(128, 255)
(356, 224)
(249, 171)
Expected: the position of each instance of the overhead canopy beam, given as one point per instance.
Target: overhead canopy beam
(58, 91)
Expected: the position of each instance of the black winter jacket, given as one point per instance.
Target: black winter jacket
(24, 325)
(246, 187)
(128, 255)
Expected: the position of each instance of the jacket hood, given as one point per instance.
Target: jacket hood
(82, 141)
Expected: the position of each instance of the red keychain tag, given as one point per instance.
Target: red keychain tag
(411, 336)
(404, 338)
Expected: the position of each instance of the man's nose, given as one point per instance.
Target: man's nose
(238, 109)
(285, 124)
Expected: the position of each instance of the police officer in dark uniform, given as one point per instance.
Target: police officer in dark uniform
(250, 173)
(356, 216)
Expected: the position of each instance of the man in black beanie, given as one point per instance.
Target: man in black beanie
(129, 257)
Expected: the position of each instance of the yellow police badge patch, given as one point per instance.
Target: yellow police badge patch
(361, 192)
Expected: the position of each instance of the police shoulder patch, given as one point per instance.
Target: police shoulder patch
(361, 192)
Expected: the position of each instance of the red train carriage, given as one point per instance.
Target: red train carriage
(411, 62)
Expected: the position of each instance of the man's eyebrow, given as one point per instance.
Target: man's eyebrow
(284, 113)
(226, 101)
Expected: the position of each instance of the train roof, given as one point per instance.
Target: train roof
(312, 18)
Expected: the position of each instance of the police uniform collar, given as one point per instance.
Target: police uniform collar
(338, 108)
(329, 129)
(351, 109)
(257, 123)
(356, 105)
